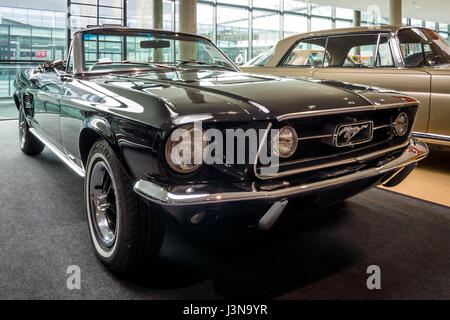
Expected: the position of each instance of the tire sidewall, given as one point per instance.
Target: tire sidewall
(101, 251)
(22, 134)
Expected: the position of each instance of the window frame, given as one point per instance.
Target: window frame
(389, 43)
(379, 34)
(398, 44)
(281, 64)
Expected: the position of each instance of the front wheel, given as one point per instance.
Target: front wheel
(29, 144)
(127, 235)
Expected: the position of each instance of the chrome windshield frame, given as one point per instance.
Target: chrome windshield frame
(78, 46)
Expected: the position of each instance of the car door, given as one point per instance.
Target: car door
(382, 71)
(440, 100)
(76, 103)
(47, 93)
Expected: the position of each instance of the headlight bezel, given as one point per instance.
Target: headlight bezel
(170, 144)
(294, 146)
(397, 131)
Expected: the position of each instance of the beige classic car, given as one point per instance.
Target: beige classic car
(414, 61)
(300, 57)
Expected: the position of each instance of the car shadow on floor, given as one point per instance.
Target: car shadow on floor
(298, 251)
(302, 248)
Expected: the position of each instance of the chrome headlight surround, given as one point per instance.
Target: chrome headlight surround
(186, 140)
(401, 124)
(285, 142)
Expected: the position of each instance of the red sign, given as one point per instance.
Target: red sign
(41, 54)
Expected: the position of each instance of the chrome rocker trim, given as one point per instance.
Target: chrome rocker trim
(417, 150)
(59, 154)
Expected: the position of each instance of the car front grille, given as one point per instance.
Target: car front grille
(315, 135)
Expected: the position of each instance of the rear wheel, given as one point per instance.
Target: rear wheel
(127, 235)
(29, 144)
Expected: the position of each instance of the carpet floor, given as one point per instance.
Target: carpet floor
(319, 254)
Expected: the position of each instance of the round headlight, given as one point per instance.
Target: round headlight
(285, 142)
(184, 149)
(401, 124)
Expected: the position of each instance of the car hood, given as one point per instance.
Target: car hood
(233, 94)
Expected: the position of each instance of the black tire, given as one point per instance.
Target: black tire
(29, 144)
(134, 233)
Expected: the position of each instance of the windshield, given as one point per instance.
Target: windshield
(130, 50)
(261, 59)
(423, 47)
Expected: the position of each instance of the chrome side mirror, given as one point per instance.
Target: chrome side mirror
(57, 64)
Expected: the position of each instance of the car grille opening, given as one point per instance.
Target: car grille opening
(315, 148)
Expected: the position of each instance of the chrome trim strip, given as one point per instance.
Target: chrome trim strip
(391, 177)
(380, 152)
(431, 136)
(263, 140)
(309, 168)
(58, 153)
(316, 113)
(383, 126)
(316, 137)
(331, 135)
(331, 164)
(417, 151)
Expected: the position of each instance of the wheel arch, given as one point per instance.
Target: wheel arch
(94, 129)
(16, 101)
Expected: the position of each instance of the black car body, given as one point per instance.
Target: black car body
(133, 111)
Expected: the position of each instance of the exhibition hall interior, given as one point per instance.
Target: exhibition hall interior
(225, 149)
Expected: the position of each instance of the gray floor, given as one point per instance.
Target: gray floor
(314, 255)
(8, 109)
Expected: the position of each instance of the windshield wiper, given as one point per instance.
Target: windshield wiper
(193, 61)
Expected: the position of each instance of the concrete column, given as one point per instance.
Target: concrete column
(357, 23)
(357, 18)
(395, 12)
(157, 18)
(157, 14)
(188, 23)
(188, 16)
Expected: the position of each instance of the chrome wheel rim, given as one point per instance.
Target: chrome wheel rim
(102, 195)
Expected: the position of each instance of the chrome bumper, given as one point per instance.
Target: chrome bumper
(417, 150)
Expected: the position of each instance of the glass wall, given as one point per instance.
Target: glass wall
(31, 34)
(27, 36)
(233, 32)
(243, 29)
(95, 12)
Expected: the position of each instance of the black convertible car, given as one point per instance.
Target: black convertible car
(123, 109)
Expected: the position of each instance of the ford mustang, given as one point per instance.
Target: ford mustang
(122, 112)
